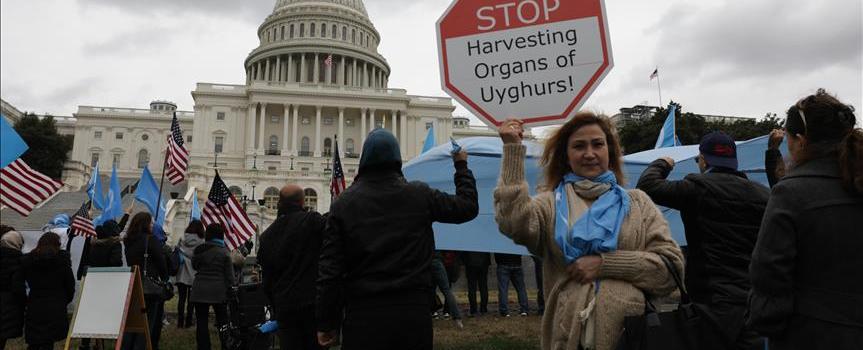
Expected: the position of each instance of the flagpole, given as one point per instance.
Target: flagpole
(156, 215)
(658, 87)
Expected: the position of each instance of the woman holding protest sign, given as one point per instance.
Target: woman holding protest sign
(595, 275)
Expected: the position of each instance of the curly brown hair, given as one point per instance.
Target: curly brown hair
(554, 157)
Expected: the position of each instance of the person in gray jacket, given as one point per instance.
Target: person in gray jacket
(212, 284)
(192, 238)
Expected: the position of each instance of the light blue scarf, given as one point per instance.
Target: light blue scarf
(596, 231)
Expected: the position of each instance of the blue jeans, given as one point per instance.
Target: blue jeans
(505, 274)
(442, 282)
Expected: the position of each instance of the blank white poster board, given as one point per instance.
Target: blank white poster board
(102, 307)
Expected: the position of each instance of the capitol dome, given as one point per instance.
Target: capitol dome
(330, 42)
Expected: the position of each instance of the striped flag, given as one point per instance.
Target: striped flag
(222, 208)
(178, 156)
(329, 60)
(81, 223)
(22, 188)
(337, 185)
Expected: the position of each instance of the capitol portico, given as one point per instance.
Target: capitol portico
(316, 78)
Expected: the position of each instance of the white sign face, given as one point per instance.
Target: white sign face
(536, 60)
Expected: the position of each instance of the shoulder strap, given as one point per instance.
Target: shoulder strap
(672, 269)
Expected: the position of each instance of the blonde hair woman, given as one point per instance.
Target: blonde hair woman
(601, 245)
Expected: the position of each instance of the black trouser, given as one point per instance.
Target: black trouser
(155, 311)
(202, 313)
(388, 327)
(185, 308)
(297, 329)
(477, 276)
(43, 346)
(540, 296)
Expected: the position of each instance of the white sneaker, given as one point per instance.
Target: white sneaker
(459, 324)
(523, 314)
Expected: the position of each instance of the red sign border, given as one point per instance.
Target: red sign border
(571, 109)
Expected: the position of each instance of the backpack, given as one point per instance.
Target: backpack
(174, 262)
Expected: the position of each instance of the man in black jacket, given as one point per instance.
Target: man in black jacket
(377, 251)
(721, 211)
(288, 255)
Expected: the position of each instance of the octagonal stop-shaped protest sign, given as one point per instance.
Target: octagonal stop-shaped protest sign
(536, 60)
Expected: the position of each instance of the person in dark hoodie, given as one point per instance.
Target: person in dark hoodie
(214, 278)
(721, 211)
(47, 270)
(11, 286)
(288, 255)
(374, 273)
(192, 238)
(145, 250)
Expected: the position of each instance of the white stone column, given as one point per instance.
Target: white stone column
(317, 70)
(295, 135)
(278, 68)
(251, 116)
(395, 125)
(285, 119)
(267, 73)
(341, 79)
(363, 132)
(342, 131)
(262, 127)
(303, 70)
(318, 131)
(354, 73)
(372, 124)
(289, 75)
(403, 132)
(258, 74)
(365, 78)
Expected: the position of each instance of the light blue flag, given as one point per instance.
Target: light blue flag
(196, 210)
(114, 205)
(668, 133)
(148, 193)
(13, 145)
(429, 140)
(94, 189)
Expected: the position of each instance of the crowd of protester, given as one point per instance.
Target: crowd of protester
(776, 264)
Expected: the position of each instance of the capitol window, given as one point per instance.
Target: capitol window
(188, 138)
(349, 146)
(116, 161)
(143, 158)
(274, 119)
(349, 122)
(219, 144)
(118, 136)
(220, 115)
(97, 135)
(312, 30)
(145, 137)
(334, 31)
(328, 120)
(271, 198)
(94, 160)
(306, 120)
(429, 125)
(283, 33)
(291, 33)
(323, 30)
(353, 36)
(302, 30)
(311, 200)
(344, 33)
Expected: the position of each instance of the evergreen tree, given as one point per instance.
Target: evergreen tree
(48, 149)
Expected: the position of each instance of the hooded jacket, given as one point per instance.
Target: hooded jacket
(11, 294)
(214, 275)
(52, 287)
(187, 245)
(378, 243)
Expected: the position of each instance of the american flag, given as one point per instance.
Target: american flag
(337, 185)
(81, 223)
(22, 188)
(655, 74)
(222, 208)
(178, 156)
(329, 60)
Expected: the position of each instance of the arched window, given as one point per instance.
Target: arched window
(302, 30)
(271, 198)
(274, 145)
(349, 146)
(311, 199)
(283, 33)
(143, 158)
(291, 32)
(304, 146)
(344, 33)
(353, 36)
(312, 30)
(236, 191)
(334, 31)
(328, 147)
(323, 30)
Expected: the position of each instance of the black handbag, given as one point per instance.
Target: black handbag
(678, 329)
(155, 286)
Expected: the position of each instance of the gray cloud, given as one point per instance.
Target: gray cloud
(135, 41)
(248, 10)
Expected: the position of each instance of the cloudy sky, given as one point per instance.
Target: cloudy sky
(727, 57)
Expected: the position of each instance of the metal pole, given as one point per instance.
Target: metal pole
(659, 88)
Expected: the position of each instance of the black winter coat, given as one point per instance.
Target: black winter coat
(378, 242)
(52, 287)
(157, 262)
(12, 295)
(105, 252)
(807, 289)
(721, 212)
(288, 256)
(215, 274)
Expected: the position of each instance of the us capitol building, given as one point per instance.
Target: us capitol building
(316, 75)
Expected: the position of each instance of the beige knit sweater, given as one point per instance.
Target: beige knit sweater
(634, 267)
